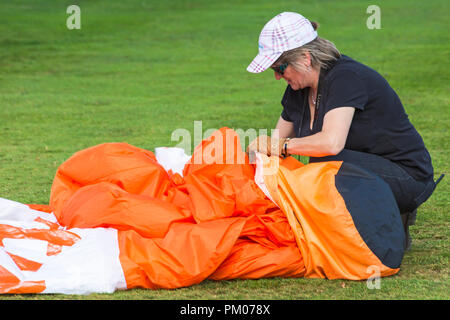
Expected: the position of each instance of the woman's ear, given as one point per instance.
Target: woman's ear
(307, 59)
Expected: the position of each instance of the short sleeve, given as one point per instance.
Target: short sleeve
(285, 116)
(285, 104)
(346, 89)
(292, 103)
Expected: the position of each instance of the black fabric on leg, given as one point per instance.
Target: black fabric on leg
(408, 192)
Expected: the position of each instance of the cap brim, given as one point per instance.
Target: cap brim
(262, 62)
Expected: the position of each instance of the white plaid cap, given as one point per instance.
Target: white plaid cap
(286, 31)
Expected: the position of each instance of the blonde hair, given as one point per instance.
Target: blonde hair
(322, 52)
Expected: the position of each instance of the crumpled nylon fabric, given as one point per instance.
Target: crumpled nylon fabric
(176, 231)
(212, 222)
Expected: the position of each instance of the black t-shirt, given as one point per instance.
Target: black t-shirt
(379, 126)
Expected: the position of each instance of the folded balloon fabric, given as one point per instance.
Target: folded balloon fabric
(122, 217)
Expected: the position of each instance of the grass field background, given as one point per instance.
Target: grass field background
(139, 69)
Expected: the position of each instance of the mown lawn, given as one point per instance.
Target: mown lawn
(140, 69)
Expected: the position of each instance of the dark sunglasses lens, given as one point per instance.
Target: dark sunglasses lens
(283, 67)
(280, 69)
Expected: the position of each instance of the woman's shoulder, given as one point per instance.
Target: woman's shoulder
(345, 65)
(348, 68)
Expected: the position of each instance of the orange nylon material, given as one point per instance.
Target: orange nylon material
(9, 283)
(177, 231)
(25, 264)
(214, 222)
(326, 235)
(57, 237)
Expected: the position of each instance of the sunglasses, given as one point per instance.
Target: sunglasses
(281, 68)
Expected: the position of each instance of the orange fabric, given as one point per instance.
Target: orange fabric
(188, 254)
(106, 205)
(220, 180)
(177, 231)
(324, 229)
(130, 168)
(9, 283)
(51, 225)
(57, 237)
(53, 249)
(214, 222)
(25, 264)
(40, 207)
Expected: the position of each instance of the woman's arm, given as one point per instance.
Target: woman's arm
(286, 128)
(330, 141)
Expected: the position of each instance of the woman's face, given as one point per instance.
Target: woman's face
(299, 79)
(295, 78)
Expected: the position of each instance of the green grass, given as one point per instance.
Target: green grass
(138, 70)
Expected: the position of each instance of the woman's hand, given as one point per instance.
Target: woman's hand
(267, 145)
(260, 144)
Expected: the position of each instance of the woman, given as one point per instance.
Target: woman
(335, 108)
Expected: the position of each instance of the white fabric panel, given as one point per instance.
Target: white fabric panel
(25, 224)
(31, 249)
(91, 265)
(172, 158)
(16, 211)
(259, 176)
(11, 210)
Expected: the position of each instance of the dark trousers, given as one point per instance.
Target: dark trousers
(408, 192)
